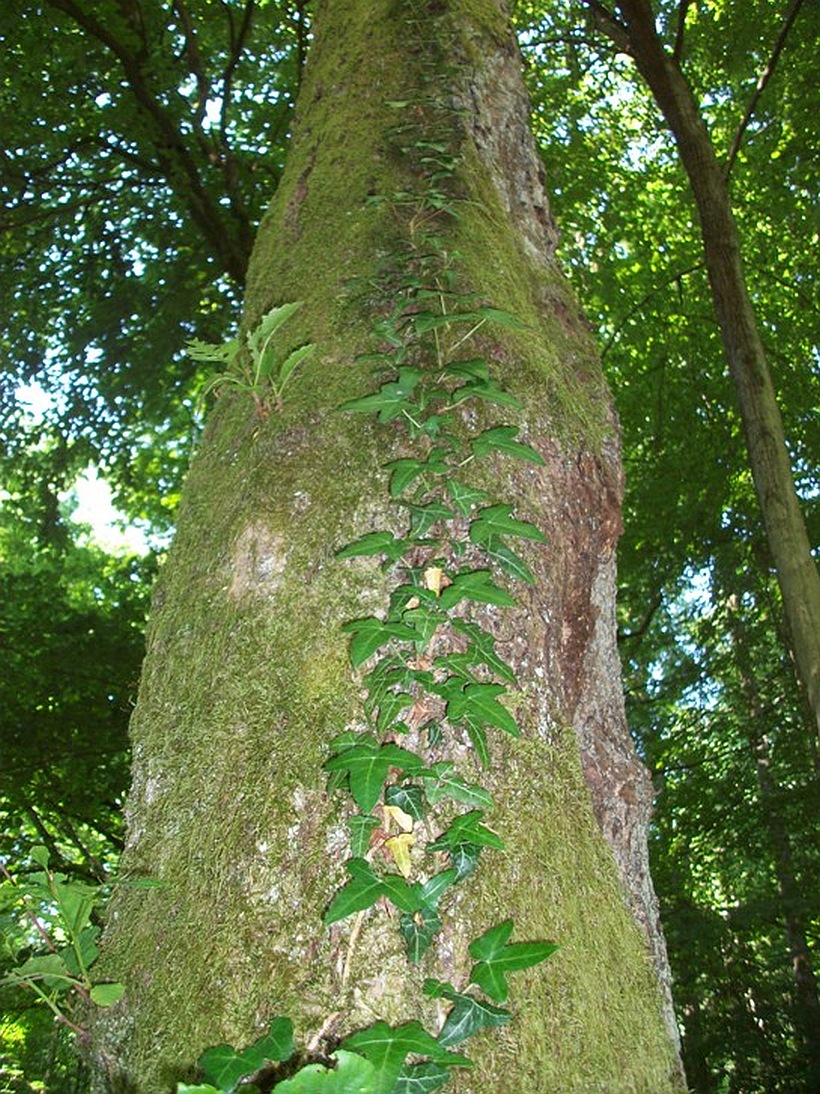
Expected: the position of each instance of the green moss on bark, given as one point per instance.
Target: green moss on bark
(247, 679)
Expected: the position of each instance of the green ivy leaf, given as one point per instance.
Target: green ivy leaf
(375, 543)
(467, 828)
(418, 929)
(508, 560)
(371, 634)
(367, 763)
(468, 1016)
(362, 891)
(406, 797)
(391, 400)
(423, 517)
(473, 368)
(501, 438)
(420, 1078)
(351, 1075)
(477, 585)
(496, 957)
(483, 647)
(477, 704)
(223, 1066)
(361, 827)
(496, 520)
(488, 390)
(446, 785)
(464, 857)
(387, 1047)
(465, 498)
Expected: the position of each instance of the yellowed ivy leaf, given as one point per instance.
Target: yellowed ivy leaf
(402, 820)
(434, 579)
(399, 847)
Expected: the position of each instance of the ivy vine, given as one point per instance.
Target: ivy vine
(433, 677)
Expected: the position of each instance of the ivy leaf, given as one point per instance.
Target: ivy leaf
(397, 890)
(390, 706)
(465, 498)
(406, 797)
(370, 634)
(509, 561)
(446, 785)
(491, 392)
(467, 828)
(418, 931)
(496, 957)
(464, 857)
(420, 1078)
(477, 585)
(501, 438)
(467, 1016)
(352, 1075)
(391, 400)
(476, 368)
(496, 520)
(361, 827)
(387, 1047)
(423, 517)
(477, 705)
(435, 887)
(484, 646)
(362, 891)
(406, 471)
(399, 847)
(375, 543)
(502, 318)
(367, 763)
(223, 1066)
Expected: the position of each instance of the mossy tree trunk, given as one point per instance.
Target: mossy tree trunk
(247, 676)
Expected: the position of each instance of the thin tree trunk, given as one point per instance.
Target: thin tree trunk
(763, 427)
(806, 1001)
(247, 678)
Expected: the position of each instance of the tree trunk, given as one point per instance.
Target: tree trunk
(762, 424)
(806, 1001)
(247, 677)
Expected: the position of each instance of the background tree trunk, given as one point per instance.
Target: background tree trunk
(247, 676)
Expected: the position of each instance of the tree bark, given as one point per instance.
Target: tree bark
(762, 423)
(247, 679)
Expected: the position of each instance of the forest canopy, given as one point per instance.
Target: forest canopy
(142, 143)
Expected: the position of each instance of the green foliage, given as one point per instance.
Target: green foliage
(54, 910)
(693, 541)
(268, 373)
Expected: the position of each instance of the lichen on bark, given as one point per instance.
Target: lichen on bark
(246, 677)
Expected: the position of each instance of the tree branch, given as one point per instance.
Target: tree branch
(763, 79)
(683, 7)
(610, 25)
